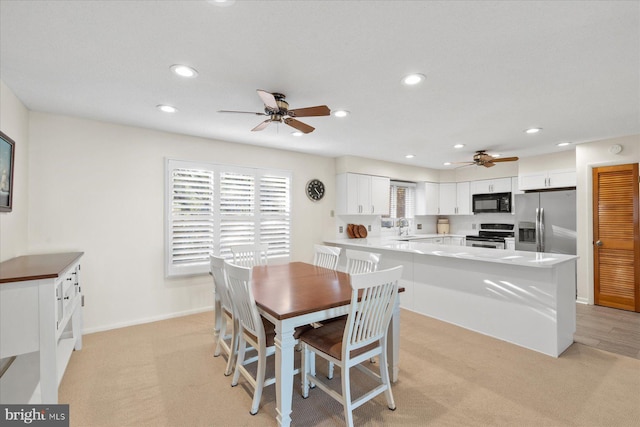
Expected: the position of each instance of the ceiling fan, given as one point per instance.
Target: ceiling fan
(277, 109)
(481, 158)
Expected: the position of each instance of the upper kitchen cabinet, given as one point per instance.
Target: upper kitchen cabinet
(485, 186)
(557, 178)
(454, 198)
(427, 198)
(358, 194)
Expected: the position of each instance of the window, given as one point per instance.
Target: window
(402, 200)
(211, 207)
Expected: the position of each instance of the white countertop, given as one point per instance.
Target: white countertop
(500, 256)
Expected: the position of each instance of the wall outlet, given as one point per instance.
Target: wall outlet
(369, 227)
(473, 226)
(419, 226)
(341, 229)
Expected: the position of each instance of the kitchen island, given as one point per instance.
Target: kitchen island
(526, 298)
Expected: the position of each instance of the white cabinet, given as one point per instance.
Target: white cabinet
(362, 194)
(454, 198)
(557, 178)
(486, 186)
(510, 243)
(454, 240)
(40, 324)
(447, 200)
(463, 198)
(427, 198)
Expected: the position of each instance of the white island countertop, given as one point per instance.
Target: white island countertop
(501, 256)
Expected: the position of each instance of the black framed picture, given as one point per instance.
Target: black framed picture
(7, 154)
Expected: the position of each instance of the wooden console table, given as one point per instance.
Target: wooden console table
(40, 324)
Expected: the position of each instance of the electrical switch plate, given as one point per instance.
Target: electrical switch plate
(369, 227)
(419, 226)
(340, 229)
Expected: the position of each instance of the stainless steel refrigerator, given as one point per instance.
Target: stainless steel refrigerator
(546, 222)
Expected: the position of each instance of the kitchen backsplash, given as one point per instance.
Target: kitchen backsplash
(458, 224)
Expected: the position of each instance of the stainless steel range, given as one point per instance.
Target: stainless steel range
(491, 236)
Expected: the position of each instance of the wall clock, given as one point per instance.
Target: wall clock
(315, 190)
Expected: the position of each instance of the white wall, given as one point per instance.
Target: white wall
(99, 188)
(588, 156)
(561, 160)
(14, 122)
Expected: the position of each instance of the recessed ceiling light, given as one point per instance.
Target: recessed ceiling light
(184, 71)
(458, 146)
(410, 156)
(533, 130)
(447, 163)
(297, 133)
(413, 79)
(166, 108)
(341, 113)
(563, 144)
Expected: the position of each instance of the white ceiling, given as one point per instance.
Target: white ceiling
(493, 69)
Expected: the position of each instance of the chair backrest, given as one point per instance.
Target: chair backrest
(361, 262)
(369, 317)
(220, 282)
(250, 255)
(326, 256)
(246, 311)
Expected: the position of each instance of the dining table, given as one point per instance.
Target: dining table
(297, 294)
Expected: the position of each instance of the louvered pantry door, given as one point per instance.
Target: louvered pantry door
(616, 237)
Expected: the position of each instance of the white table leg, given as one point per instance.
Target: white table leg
(393, 342)
(285, 344)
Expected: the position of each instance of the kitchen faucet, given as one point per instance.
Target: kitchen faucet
(403, 222)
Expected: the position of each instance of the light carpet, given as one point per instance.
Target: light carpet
(164, 374)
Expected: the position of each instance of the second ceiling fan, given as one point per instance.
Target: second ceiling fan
(277, 109)
(481, 158)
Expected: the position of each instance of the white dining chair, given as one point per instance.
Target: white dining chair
(362, 335)
(326, 256)
(254, 332)
(228, 318)
(250, 255)
(358, 262)
(361, 261)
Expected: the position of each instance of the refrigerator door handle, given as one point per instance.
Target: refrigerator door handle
(537, 230)
(542, 230)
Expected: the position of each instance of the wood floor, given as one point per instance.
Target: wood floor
(609, 329)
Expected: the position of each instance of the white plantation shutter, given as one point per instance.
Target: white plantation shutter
(275, 214)
(191, 216)
(212, 207)
(237, 206)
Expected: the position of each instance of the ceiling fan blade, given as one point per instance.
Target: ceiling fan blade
(319, 110)
(243, 112)
(268, 99)
(488, 164)
(261, 125)
(505, 159)
(302, 127)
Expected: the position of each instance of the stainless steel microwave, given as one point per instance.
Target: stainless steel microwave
(492, 203)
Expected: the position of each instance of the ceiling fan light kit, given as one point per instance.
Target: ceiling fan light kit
(277, 109)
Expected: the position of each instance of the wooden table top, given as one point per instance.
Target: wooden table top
(36, 267)
(298, 288)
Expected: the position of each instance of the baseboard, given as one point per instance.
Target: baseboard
(147, 320)
(582, 300)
